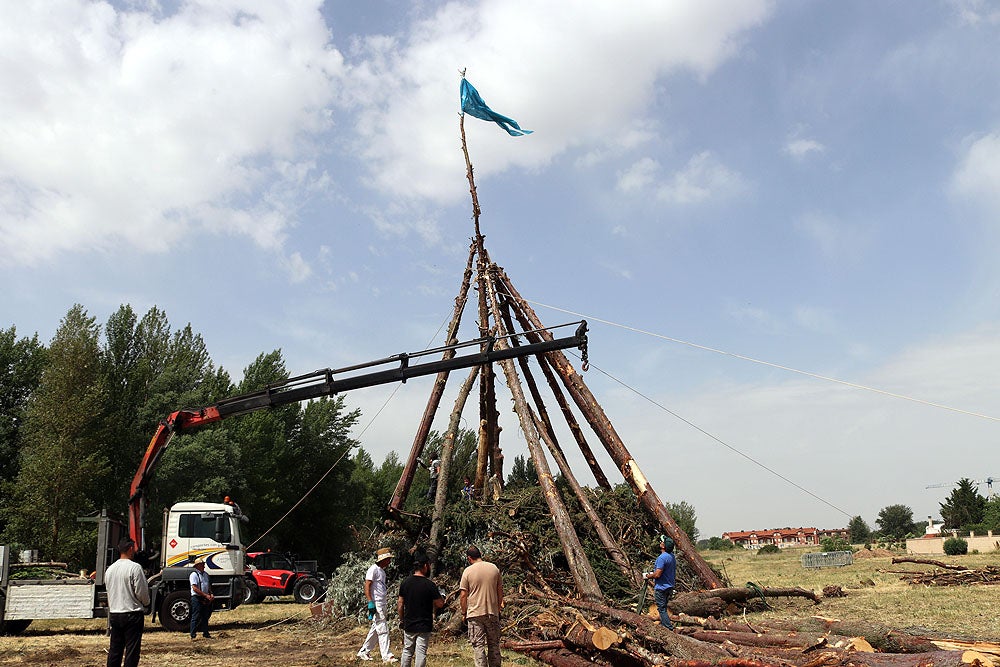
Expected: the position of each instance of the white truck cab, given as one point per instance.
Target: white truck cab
(190, 531)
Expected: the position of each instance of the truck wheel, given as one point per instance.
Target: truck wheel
(307, 590)
(14, 627)
(175, 612)
(251, 591)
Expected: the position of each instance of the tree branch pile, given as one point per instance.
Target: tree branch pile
(946, 574)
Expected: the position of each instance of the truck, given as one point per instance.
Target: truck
(215, 530)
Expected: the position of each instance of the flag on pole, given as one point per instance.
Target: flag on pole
(474, 105)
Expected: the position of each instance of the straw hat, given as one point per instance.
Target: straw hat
(383, 554)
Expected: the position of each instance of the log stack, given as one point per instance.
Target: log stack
(572, 633)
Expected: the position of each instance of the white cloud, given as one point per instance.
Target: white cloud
(975, 12)
(977, 176)
(800, 148)
(702, 178)
(638, 176)
(136, 128)
(298, 269)
(406, 90)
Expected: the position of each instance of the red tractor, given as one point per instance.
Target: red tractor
(270, 573)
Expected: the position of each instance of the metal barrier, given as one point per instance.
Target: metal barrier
(828, 559)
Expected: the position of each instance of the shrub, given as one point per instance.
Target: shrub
(719, 544)
(768, 549)
(956, 546)
(834, 544)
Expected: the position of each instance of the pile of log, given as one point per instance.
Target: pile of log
(946, 574)
(574, 633)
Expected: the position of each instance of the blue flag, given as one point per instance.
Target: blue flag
(474, 105)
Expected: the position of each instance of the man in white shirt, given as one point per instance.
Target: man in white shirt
(128, 593)
(201, 599)
(376, 591)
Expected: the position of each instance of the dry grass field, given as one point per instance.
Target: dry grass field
(279, 633)
(967, 611)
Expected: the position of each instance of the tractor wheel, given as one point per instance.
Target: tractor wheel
(14, 627)
(251, 591)
(175, 612)
(307, 590)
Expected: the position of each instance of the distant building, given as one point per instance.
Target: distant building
(932, 529)
(783, 537)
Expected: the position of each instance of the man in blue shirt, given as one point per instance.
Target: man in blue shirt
(663, 578)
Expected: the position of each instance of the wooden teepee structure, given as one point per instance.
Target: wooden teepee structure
(504, 317)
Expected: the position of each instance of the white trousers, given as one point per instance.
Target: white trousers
(378, 633)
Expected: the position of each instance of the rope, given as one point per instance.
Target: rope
(760, 593)
(341, 458)
(817, 376)
(723, 443)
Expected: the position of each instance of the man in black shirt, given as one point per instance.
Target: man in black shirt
(418, 598)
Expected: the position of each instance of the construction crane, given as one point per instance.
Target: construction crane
(978, 482)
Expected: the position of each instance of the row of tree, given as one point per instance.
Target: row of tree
(76, 417)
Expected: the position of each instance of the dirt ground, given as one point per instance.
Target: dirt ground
(269, 634)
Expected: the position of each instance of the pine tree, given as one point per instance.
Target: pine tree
(964, 506)
(860, 532)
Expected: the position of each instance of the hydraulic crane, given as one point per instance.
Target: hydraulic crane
(326, 382)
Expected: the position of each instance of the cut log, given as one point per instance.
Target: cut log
(713, 602)
(524, 647)
(927, 561)
(672, 643)
(881, 637)
(601, 639)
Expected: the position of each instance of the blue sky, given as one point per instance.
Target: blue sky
(811, 184)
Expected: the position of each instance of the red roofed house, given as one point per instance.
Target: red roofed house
(783, 537)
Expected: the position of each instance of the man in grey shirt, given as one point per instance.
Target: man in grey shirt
(128, 593)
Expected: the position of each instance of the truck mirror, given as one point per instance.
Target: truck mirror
(219, 527)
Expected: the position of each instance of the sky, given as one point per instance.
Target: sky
(780, 219)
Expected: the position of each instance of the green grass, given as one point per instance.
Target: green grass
(965, 611)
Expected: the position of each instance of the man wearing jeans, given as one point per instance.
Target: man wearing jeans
(663, 578)
(128, 593)
(482, 599)
(201, 599)
(418, 598)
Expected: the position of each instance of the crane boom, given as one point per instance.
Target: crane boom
(320, 383)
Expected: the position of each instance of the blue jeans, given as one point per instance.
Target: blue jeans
(201, 611)
(662, 596)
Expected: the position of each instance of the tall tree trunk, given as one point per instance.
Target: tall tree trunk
(579, 565)
(447, 453)
(548, 435)
(612, 442)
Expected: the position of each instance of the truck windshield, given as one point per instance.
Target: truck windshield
(200, 525)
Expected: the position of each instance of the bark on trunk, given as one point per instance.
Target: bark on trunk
(579, 565)
(447, 451)
(602, 426)
(548, 436)
(714, 602)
